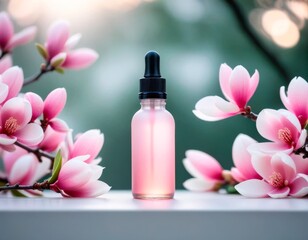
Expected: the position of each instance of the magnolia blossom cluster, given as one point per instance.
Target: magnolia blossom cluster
(277, 168)
(31, 132)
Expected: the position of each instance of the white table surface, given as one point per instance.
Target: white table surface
(188, 216)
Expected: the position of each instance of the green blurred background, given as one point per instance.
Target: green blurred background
(193, 38)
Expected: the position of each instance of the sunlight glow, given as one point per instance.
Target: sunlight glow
(30, 11)
(280, 28)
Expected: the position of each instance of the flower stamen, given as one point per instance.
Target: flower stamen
(285, 135)
(276, 180)
(11, 126)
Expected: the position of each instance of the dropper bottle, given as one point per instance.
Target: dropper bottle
(153, 137)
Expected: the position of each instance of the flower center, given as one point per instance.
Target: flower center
(277, 181)
(285, 135)
(11, 126)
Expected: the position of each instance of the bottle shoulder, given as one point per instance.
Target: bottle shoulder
(143, 115)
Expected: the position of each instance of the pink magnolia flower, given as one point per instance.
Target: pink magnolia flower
(243, 169)
(15, 116)
(5, 63)
(60, 46)
(79, 179)
(9, 40)
(50, 108)
(52, 140)
(88, 143)
(280, 178)
(237, 86)
(37, 105)
(205, 169)
(24, 168)
(283, 128)
(296, 101)
(11, 81)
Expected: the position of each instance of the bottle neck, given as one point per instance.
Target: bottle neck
(153, 103)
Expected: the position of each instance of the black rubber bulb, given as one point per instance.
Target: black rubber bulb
(152, 69)
(152, 85)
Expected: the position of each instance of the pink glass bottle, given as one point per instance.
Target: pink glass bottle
(153, 138)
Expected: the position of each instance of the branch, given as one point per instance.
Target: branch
(36, 186)
(252, 36)
(45, 68)
(37, 152)
(247, 113)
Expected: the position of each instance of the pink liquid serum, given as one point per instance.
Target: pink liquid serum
(153, 137)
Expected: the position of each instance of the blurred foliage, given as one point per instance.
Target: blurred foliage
(192, 42)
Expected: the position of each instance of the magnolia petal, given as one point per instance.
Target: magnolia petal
(14, 78)
(52, 140)
(242, 158)
(73, 41)
(96, 161)
(57, 36)
(9, 158)
(199, 185)
(237, 175)
(59, 125)
(282, 163)
(23, 170)
(269, 123)
(58, 60)
(41, 170)
(213, 108)
(8, 148)
(81, 158)
(54, 103)
(37, 104)
(300, 163)
(299, 187)
(279, 192)
(90, 189)
(254, 188)
(80, 58)
(90, 142)
(269, 148)
(7, 29)
(190, 168)
(31, 135)
(205, 164)
(262, 164)
(224, 80)
(18, 109)
(7, 140)
(297, 92)
(5, 63)
(285, 99)
(23, 37)
(4, 90)
(97, 171)
(254, 82)
(73, 175)
(291, 122)
(302, 139)
(240, 86)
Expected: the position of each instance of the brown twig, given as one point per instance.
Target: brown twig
(243, 23)
(45, 68)
(36, 186)
(247, 113)
(37, 152)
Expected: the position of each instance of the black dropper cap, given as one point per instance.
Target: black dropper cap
(152, 85)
